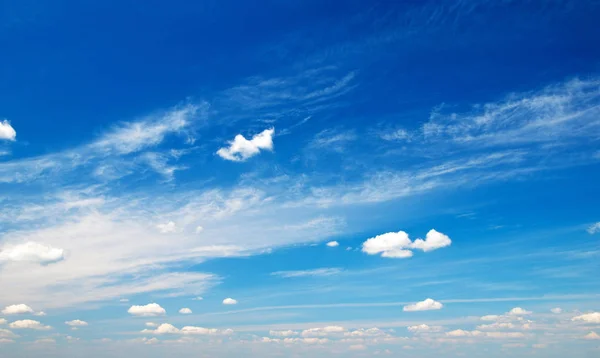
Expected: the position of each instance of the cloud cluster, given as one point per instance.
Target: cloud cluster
(167, 328)
(593, 317)
(322, 331)
(240, 148)
(149, 310)
(399, 245)
(426, 305)
(31, 252)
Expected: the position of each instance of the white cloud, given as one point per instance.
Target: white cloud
(167, 228)
(287, 333)
(151, 324)
(149, 310)
(28, 324)
(199, 229)
(3, 321)
(5, 333)
(124, 300)
(518, 311)
(240, 149)
(304, 273)
(7, 132)
(593, 317)
(556, 310)
(333, 244)
(433, 241)
(167, 328)
(592, 336)
(424, 328)
(490, 318)
(323, 331)
(462, 333)
(229, 301)
(31, 252)
(370, 332)
(503, 335)
(40, 314)
(399, 245)
(76, 323)
(185, 311)
(198, 298)
(17, 309)
(496, 326)
(425, 305)
(594, 228)
(358, 347)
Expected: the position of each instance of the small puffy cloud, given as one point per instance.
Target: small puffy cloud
(151, 324)
(556, 310)
(593, 317)
(40, 314)
(322, 331)
(426, 305)
(287, 333)
(230, 301)
(496, 326)
(433, 240)
(167, 228)
(333, 244)
(7, 132)
(423, 328)
(594, 228)
(28, 324)
(399, 245)
(358, 347)
(124, 300)
(504, 335)
(462, 333)
(76, 323)
(167, 328)
(197, 298)
(185, 311)
(149, 310)
(31, 252)
(491, 317)
(592, 336)
(518, 311)
(240, 148)
(17, 309)
(370, 332)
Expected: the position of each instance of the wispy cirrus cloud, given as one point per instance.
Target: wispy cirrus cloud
(330, 271)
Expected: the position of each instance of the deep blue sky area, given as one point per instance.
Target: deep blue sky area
(299, 178)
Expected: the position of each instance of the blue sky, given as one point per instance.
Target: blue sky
(299, 178)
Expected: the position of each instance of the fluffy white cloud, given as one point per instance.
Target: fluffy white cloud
(185, 310)
(197, 298)
(167, 228)
(28, 324)
(241, 148)
(167, 328)
(230, 301)
(556, 310)
(462, 333)
(287, 333)
(518, 311)
(17, 309)
(399, 245)
(151, 324)
(592, 335)
(149, 310)
(502, 335)
(594, 228)
(496, 326)
(593, 317)
(433, 240)
(424, 328)
(76, 323)
(7, 132)
(322, 331)
(40, 314)
(490, 318)
(31, 252)
(333, 244)
(370, 332)
(426, 305)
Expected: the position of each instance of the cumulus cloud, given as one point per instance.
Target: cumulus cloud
(490, 318)
(333, 244)
(197, 298)
(518, 311)
(592, 335)
(423, 328)
(287, 333)
(149, 310)
(462, 333)
(230, 301)
(594, 228)
(593, 317)
(167, 228)
(167, 328)
(496, 326)
(7, 132)
(556, 310)
(399, 245)
(40, 314)
(370, 332)
(28, 324)
(185, 311)
(240, 148)
(151, 324)
(323, 331)
(3, 321)
(76, 323)
(426, 305)
(31, 252)
(17, 309)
